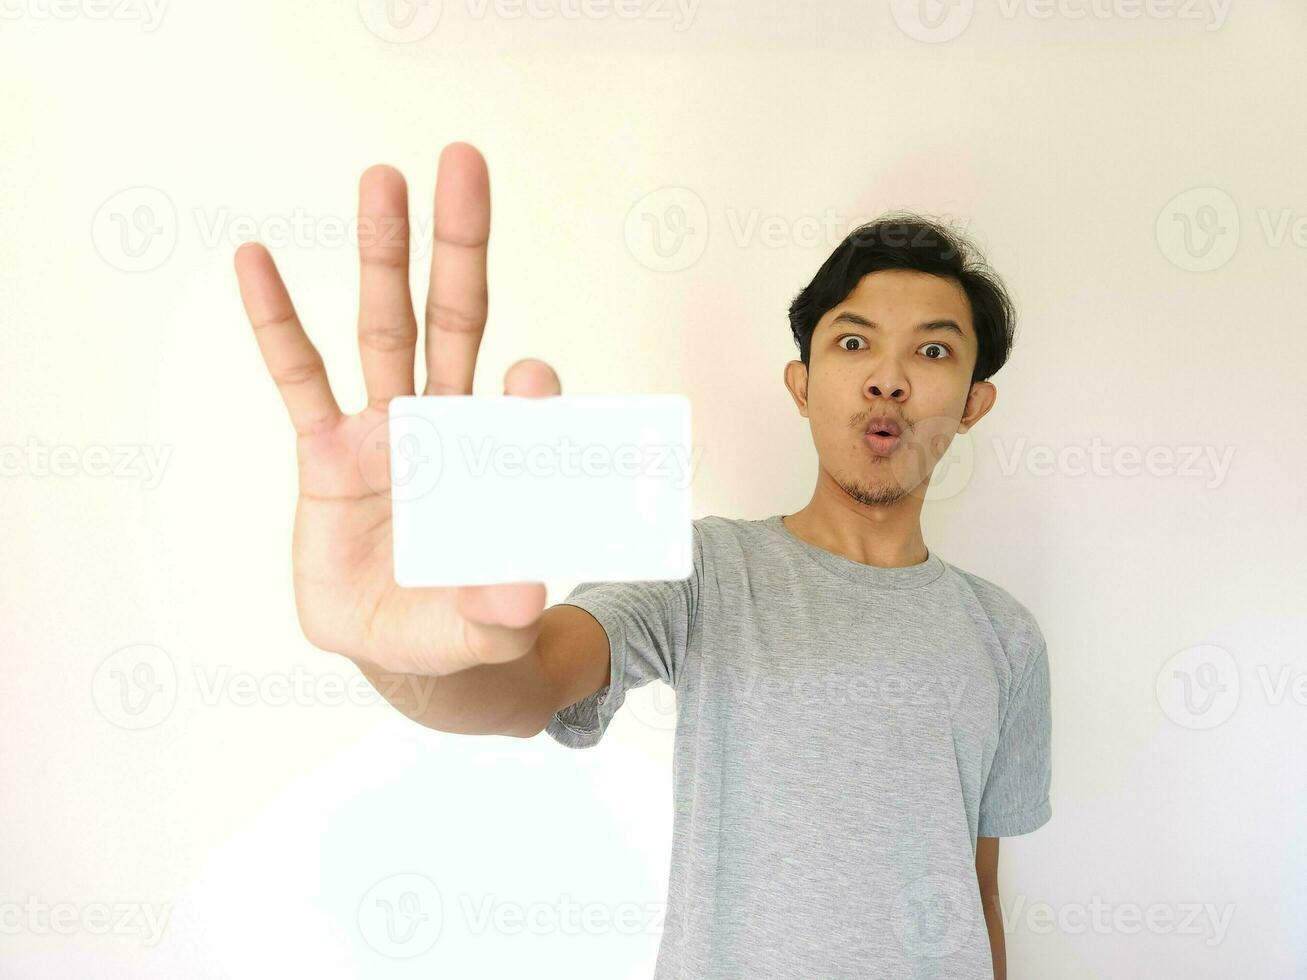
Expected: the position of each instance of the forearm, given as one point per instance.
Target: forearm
(512, 698)
(568, 660)
(994, 925)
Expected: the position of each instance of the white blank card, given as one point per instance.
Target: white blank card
(502, 488)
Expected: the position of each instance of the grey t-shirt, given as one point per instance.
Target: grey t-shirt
(844, 732)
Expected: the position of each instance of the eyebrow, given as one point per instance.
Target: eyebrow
(861, 321)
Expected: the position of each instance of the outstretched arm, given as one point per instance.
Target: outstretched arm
(484, 658)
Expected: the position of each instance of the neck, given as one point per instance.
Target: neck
(885, 535)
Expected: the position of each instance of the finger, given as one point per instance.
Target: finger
(294, 363)
(456, 298)
(501, 620)
(531, 378)
(388, 330)
(493, 610)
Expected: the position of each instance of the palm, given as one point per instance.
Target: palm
(345, 591)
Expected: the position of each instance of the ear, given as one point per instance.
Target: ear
(979, 401)
(796, 380)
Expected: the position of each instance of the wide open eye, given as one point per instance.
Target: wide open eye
(850, 336)
(944, 352)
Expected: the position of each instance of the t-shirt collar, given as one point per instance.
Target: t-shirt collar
(876, 576)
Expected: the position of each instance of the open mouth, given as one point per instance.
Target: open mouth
(882, 435)
(884, 425)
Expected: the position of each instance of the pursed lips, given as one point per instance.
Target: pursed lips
(883, 425)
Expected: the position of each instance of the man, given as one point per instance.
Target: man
(858, 721)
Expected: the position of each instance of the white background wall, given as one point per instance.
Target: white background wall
(1074, 148)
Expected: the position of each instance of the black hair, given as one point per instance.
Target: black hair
(903, 240)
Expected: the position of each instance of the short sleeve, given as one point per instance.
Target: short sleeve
(1016, 796)
(649, 626)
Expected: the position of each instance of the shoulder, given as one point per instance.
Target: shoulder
(734, 549)
(717, 525)
(718, 535)
(1011, 620)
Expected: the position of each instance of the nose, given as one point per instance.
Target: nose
(888, 382)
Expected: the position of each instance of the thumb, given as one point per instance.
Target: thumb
(503, 618)
(532, 378)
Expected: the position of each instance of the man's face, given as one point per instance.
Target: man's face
(900, 347)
